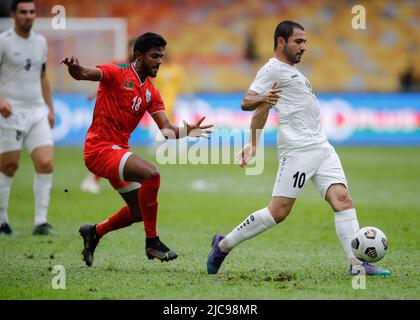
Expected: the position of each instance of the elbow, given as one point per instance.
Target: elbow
(244, 106)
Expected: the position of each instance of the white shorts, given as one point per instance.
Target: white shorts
(29, 128)
(320, 164)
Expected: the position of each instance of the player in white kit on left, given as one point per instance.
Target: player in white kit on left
(26, 113)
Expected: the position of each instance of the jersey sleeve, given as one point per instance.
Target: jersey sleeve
(265, 79)
(110, 72)
(157, 103)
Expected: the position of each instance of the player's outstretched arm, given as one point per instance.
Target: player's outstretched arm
(169, 131)
(81, 73)
(253, 100)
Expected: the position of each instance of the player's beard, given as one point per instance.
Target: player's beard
(151, 71)
(293, 58)
(146, 70)
(26, 25)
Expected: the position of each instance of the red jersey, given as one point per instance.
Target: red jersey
(121, 102)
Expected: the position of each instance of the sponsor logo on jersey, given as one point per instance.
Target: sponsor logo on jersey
(294, 76)
(115, 147)
(148, 96)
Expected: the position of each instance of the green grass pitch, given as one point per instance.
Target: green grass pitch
(299, 259)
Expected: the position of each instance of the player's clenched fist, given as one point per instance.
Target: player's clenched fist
(271, 96)
(5, 108)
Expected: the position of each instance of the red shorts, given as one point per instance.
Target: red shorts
(107, 160)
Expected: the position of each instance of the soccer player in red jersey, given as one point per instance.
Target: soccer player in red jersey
(91, 182)
(124, 95)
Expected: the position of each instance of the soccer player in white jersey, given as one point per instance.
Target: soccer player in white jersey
(303, 151)
(26, 112)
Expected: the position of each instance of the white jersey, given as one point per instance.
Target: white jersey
(297, 109)
(21, 61)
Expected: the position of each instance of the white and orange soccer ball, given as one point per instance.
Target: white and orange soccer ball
(369, 244)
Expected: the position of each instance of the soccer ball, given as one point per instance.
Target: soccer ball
(369, 244)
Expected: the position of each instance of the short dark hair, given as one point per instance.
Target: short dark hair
(148, 41)
(285, 29)
(16, 2)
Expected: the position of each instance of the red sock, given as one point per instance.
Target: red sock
(123, 218)
(149, 204)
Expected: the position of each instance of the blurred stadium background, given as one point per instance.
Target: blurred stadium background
(361, 76)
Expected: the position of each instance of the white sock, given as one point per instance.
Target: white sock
(42, 188)
(257, 222)
(346, 225)
(5, 185)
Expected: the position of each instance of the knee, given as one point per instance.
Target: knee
(280, 215)
(279, 212)
(342, 201)
(44, 166)
(10, 168)
(152, 175)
